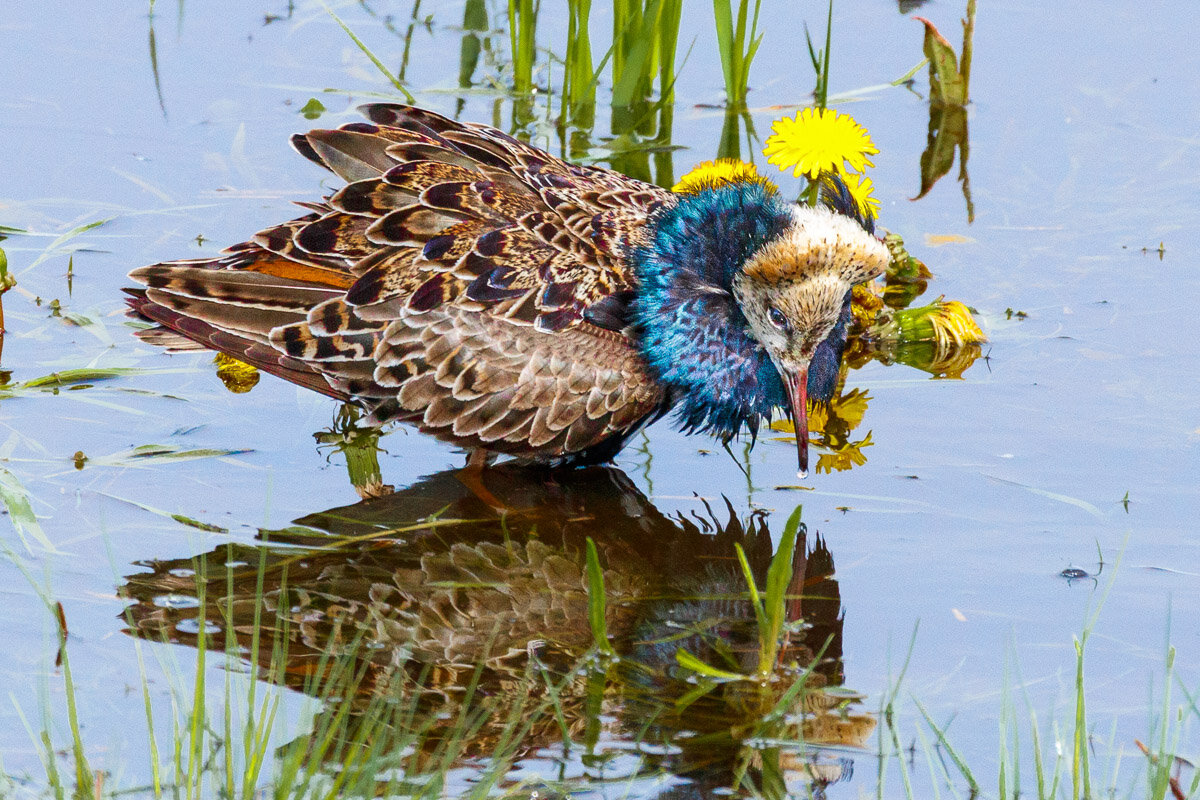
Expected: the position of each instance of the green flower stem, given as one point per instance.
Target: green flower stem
(812, 195)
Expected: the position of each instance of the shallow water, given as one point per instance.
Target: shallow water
(976, 493)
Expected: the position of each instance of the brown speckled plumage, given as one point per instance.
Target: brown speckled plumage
(424, 288)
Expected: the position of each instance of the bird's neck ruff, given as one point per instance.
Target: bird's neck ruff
(689, 326)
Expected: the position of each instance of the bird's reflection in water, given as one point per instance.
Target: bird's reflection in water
(477, 622)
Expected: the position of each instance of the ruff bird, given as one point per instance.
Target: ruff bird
(510, 302)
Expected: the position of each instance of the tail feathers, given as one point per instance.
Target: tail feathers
(244, 288)
(250, 323)
(245, 349)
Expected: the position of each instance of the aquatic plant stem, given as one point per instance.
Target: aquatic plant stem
(7, 281)
(964, 63)
(522, 22)
(820, 62)
(379, 65)
(737, 47)
(597, 600)
(812, 194)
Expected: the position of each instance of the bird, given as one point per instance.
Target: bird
(514, 303)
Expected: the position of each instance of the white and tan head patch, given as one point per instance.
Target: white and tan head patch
(792, 290)
(818, 242)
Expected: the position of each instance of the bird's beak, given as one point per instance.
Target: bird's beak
(797, 390)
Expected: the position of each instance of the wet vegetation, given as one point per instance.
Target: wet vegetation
(463, 643)
(528, 632)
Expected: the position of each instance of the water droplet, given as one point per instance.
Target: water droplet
(802, 474)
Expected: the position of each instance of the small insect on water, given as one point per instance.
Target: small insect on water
(1073, 574)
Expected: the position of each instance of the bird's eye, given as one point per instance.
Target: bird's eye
(777, 318)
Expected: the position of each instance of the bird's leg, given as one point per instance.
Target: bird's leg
(471, 476)
(478, 458)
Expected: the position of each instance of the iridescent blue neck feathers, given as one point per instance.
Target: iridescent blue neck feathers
(691, 330)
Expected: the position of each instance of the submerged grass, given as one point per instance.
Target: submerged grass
(396, 83)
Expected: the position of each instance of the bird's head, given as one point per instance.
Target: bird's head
(741, 293)
(792, 292)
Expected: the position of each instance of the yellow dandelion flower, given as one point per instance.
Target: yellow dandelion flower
(955, 325)
(237, 376)
(819, 140)
(861, 189)
(722, 172)
(948, 323)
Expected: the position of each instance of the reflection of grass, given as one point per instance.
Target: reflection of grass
(367, 733)
(385, 746)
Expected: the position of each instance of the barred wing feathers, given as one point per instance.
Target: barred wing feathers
(462, 280)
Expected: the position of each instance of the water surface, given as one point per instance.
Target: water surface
(975, 494)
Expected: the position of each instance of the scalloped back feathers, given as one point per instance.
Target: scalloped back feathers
(461, 281)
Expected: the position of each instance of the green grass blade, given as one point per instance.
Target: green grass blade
(17, 500)
(83, 772)
(379, 65)
(668, 32)
(522, 27)
(738, 89)
(580, 76)
(1081, 777)
(756, 603)
(635, 76)
(725, 43)
(69, 377)
(779, 577)
(823, 98)
(155, 764)
(52, 249)
(901, 762)
(597, 600)
(689, 661)
(955, 756)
